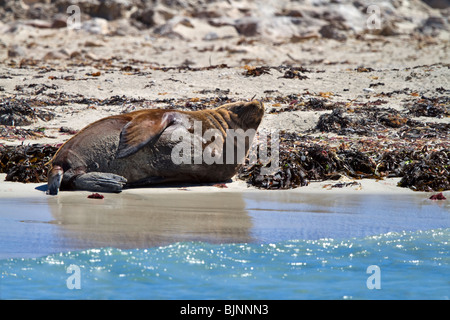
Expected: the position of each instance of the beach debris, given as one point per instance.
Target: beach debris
(95, 196)
(438, 196)
(94, 74)
(303, 159)
(364, 69)
(26, 163)
(437, 107)
(342, 185)
(12, 133)
(298, 103)
(333, 122)
(295, 73)
(392, 119)
(20, 112)
(67, 130)
(251, 71)
(427, 171)
(299, 163)
(220, 185)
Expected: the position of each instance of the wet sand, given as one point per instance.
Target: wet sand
(34, 224)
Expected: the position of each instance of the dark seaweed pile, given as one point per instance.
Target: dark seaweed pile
(431, 107)
(301, 162)
(26, 163)
(19, 112)
(428, 172)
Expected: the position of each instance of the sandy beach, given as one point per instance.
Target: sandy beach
(305, 60)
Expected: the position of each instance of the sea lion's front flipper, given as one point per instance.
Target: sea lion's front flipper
(55, 175)
(99, 181)
(142, 130)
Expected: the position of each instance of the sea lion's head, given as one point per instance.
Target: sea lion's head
(246, 115)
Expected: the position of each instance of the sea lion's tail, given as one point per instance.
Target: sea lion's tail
(55, 175)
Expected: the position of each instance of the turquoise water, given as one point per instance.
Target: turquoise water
(412, 265)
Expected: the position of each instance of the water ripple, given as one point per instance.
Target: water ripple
(414, 265)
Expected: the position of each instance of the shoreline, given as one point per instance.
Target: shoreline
(37, 225)
(363, 186)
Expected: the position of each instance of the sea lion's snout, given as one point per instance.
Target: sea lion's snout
(257, 106)
(247, 114)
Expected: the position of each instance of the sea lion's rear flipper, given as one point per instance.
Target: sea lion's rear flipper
(142, 130)
(99, 181)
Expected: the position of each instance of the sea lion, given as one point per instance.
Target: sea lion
(154, 146)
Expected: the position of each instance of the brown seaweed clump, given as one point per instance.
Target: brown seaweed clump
(301, 162)
(251, 71)
(429, 173)
(26, 163)
(437, 107)
(20, 112)
(333, 122)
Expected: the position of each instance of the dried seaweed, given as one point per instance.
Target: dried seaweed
(38, 88)
(301, 161)
(19, 112)
(430, 173)
(217, 91)
(438, 107)
(13, 133)
(343, 184)
(188, 68)
(392, 119)
(364, 69)
(26, 163)
(369, 120)
(295, 73)
(333, 122)
(251, 71)
(297, 103)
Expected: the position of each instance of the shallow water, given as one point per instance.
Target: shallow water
(413, 265)
(224, 246)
